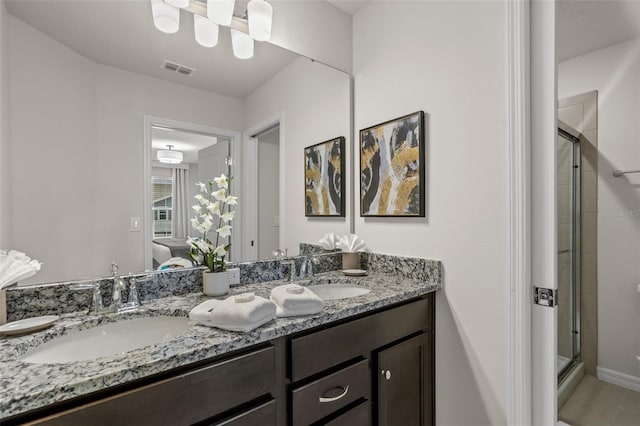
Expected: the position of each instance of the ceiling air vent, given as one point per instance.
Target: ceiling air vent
(175, 67)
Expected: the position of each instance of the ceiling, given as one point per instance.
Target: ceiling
(189, 143)
(120, 33)
(349, 6)
(587, 25)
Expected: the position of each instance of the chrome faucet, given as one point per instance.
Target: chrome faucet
(306, 268)
(119, 286)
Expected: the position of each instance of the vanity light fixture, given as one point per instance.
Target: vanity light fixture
(206, 31)
(208, 15)
(221, 11)
(242, 44)
(169, 156)
(166, 18)
(260, 15)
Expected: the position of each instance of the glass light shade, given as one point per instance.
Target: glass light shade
(260, 18)
(166, 18)
(178, 3)
(242, 44)
(220, 11)
(206, 31)
(168, 156)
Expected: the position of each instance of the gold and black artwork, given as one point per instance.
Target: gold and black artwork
(323, 185)
(392, 161)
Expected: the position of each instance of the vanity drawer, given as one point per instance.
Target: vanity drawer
(357, 416)
(318, 351)
(322, 397)
(263, 415)
(188, 398)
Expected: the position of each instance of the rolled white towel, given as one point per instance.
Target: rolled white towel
(243, 312)
(294, 300)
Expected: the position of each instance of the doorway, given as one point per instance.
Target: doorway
(202, 153)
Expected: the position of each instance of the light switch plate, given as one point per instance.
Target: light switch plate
(135, 224)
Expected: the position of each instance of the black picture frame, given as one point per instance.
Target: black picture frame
(392, 172)
(324, 189)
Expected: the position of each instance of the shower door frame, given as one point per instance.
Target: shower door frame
(576, 253)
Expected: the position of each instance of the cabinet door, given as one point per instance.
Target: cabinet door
(404, 380)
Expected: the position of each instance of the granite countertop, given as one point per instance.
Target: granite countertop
(25, 387)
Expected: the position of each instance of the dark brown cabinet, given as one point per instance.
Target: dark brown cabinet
(398, 345)
(373, 369)
(191, 397)
(404, 383)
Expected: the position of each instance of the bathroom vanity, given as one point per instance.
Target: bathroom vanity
(363, 360)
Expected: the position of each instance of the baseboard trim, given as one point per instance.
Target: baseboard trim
(620, 379)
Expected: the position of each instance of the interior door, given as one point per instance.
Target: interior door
(543, 210)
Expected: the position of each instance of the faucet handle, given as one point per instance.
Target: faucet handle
(114, 268)
(134, 296)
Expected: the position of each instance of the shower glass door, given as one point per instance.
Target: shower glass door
(568, 253)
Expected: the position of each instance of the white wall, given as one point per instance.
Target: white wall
(315, 29)
(314, 100)
(615, 73)
(5, 238)
(447, 59)
(65, 107)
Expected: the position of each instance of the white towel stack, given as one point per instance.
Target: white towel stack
(293, 300)
(243, 312)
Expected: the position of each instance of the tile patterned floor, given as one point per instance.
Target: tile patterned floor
(597, 403)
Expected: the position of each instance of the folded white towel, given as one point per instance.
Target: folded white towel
(294, 300)
(16, 266)
(329, 241)
(243, 312)
(202, 313)
(351, 243)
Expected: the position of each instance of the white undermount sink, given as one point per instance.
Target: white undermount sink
(337, 291)
(107, 339)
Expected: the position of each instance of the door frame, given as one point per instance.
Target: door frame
(250, 189)
(531, 177)
(236, 152)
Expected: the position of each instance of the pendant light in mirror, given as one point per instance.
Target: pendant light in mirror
(166, 18)
(169, 156)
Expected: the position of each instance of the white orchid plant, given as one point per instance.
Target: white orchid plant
(213, 205)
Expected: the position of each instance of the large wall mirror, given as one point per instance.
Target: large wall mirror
(91, 103)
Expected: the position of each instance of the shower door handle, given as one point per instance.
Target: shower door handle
(545, 296)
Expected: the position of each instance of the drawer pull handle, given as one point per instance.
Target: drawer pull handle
(335, 398)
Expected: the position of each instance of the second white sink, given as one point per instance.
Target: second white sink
(337, 291)
(107, 339)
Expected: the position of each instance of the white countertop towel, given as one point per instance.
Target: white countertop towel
(294, 300)
(243, 312)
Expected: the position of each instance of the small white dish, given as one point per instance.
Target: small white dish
(354, 272)
(28, 325)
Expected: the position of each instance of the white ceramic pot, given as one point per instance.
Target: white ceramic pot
(215, 283)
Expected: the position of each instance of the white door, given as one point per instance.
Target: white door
(543, 210)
